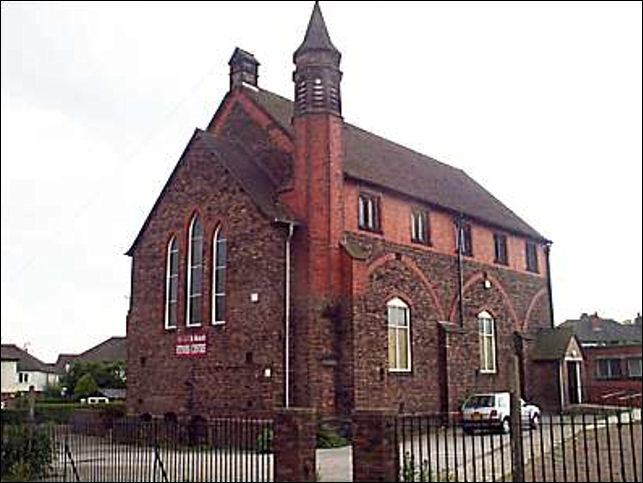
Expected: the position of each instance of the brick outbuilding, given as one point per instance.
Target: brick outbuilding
(294, 259)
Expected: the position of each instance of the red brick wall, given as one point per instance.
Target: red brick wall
(428, 282)
(223, 381)
(595, 389)
(396, 228)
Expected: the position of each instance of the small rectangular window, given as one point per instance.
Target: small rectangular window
(634, 367)
(608, 369)
(420, 230)
(531, 253)
(463, 239)
(369, 212)
(500, 243)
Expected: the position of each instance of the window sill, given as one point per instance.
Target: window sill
(378, 231)
(488, 373)
(193, 326)
(531, 270)
(171, 329)
(501, 262)
(422, 243)
(219, 322)
(400, 372)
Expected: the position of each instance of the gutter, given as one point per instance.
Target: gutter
(291, 227)
(460, 275)
(550, 296)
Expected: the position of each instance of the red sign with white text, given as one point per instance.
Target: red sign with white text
(191, 345)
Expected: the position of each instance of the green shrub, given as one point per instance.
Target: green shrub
(327, 438)
(26, 452)
(264, 441)
(85, 387)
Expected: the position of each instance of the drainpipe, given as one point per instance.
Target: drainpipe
(460, 281)
(291, 227)
(551, 299)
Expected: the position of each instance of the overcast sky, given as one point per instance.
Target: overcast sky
(539, 102)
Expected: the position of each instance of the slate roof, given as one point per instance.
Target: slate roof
(591, 329)
(381, 162)
(316, 37)
(252, 178)
(551, 344)
(26, 362)
(112, 350)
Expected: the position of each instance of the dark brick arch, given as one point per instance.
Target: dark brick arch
(379, 262)
(532, 305)
(375, 385)
(495, 283)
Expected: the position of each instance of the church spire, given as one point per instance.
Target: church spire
(317, 37)
(317, 76)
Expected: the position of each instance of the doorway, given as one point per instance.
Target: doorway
(573, 382)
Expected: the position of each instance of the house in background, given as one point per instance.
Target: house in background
(612, 352)
(294, 259)
(558, 365)
(21, 371)
(113, 349)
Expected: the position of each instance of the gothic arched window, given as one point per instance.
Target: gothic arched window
(195, 273)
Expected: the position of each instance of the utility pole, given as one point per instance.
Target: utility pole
(518, 464)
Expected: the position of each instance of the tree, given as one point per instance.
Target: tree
(86, 386)
(106, 374)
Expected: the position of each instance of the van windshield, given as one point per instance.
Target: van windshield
(480, 402)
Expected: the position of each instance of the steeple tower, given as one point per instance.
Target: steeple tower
(317, 76)
(317, 200)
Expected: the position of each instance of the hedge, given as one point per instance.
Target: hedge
(59, 412)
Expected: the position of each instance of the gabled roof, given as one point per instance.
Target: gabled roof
(252, 178)
(112, 350)
(26, 362)
(552, 344)
(378, 161)
(591, 329)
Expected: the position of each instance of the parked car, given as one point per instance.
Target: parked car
(493, 411)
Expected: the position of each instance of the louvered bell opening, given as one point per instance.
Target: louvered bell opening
(319, 97)
(334, 98)
(301, 95)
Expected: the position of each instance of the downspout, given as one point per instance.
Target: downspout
(291, 227)
(460, 281)
(551, 299)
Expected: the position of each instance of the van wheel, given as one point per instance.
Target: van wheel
(506, 426)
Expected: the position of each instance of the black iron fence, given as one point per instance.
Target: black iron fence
(562, 447)
(226, 449)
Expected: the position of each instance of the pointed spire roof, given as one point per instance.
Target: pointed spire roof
(317, 37)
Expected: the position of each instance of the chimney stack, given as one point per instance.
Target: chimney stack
(244, 69)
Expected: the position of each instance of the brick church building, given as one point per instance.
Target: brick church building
(294, 259)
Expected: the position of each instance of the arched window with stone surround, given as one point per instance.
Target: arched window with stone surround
(171, 283)
(487, 337)
(194, 312)
(219, 258)
(399, 336)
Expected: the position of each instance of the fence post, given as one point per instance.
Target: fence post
(518, 466)
(376, 456)
(294, 444)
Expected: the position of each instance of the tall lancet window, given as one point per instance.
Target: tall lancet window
(195, 274)
(171, 284)
(219, 254)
